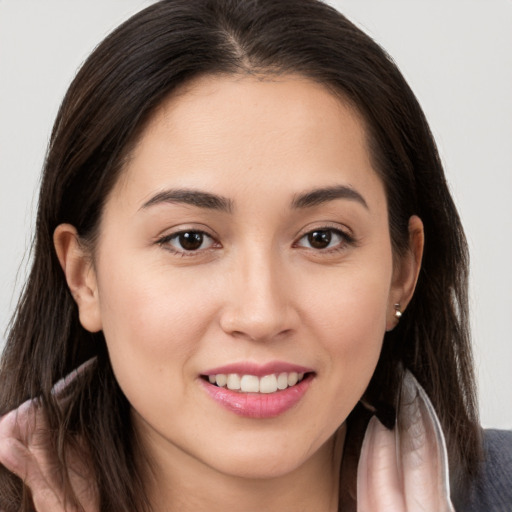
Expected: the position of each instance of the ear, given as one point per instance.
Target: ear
(405, 274)
(77, 265)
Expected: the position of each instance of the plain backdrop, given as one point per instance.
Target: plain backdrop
(457, 57)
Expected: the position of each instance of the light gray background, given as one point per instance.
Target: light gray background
(456, 55)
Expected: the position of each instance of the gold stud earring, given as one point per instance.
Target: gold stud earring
(398, 312)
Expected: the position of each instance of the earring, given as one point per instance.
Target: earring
(398, 313)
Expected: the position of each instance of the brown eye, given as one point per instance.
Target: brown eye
(319, 239)
(188, 241)
(191, 241)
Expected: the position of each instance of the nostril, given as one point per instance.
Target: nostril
(260, 334)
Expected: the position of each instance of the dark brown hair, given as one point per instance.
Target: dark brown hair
(113, 95)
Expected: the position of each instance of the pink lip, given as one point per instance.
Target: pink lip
(258, 405)
(258, 370)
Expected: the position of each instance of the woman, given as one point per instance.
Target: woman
(246, 245)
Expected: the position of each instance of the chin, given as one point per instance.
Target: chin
(260, 467)
(275, 458)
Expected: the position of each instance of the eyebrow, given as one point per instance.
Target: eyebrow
(323, 195)
(191, 197)
(211, 201)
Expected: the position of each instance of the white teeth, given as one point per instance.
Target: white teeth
(293, 377)
(233, 381)
(252, 384)
(221, 380)
(282, 381)
(268, 384)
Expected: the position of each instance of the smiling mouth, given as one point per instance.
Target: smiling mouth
(266, 384)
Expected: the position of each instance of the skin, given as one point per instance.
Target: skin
(256, 290)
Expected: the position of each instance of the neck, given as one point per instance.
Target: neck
(179, 482)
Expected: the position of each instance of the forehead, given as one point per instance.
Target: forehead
(285, 131)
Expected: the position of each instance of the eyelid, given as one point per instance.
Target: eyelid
(345, 232)
(170, 234)
(326, 226)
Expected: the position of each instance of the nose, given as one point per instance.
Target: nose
(259, 304)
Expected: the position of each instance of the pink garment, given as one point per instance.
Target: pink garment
(405, 469)
(24, 451)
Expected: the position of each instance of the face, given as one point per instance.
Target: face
(247, 241)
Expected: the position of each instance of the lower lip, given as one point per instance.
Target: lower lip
(258, 405)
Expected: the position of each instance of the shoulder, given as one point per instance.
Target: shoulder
(492, 489)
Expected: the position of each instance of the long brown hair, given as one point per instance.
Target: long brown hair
(104, 111)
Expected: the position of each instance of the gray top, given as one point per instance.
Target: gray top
(492, 490)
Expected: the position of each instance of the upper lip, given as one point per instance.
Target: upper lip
(258, 370)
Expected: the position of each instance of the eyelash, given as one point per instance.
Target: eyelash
(346, 240)
(165, 242)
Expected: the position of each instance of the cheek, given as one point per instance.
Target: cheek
(350, 306)
(349, 318)
(154, 320)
